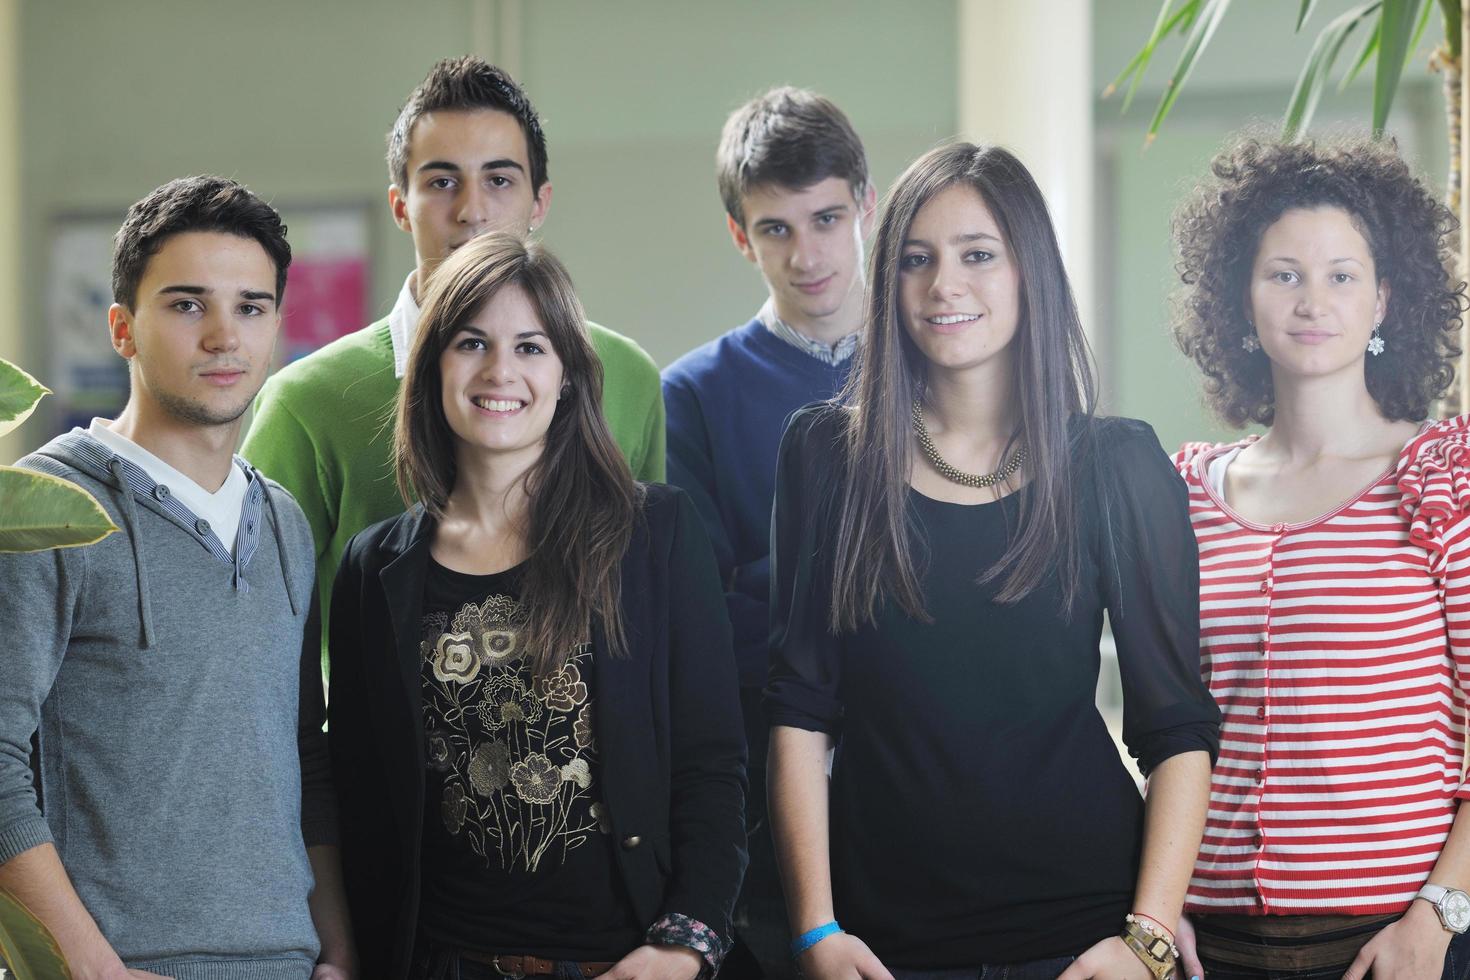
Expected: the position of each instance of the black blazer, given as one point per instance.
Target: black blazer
(668, 726)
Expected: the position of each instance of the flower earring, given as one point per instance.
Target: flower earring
(1375, 342)
(1250, 343)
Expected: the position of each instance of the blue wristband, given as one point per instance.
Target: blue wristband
(811, 937)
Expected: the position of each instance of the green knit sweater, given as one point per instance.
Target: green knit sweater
(323, 429)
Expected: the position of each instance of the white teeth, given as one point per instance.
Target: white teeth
(497, 404)
(953, 318)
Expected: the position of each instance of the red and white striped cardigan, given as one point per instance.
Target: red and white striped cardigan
(1339, 652)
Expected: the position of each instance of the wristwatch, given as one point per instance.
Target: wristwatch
(1452, 905)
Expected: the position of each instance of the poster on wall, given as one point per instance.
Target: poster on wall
(326, 298)
(327, 284)
(88, 377)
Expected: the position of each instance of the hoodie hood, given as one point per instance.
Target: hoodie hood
(129, 487)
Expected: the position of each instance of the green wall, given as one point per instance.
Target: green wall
(294, 99)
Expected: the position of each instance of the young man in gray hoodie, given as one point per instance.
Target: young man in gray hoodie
(183, 824)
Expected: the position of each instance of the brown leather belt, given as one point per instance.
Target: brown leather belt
(1286, 942)
(530, 966)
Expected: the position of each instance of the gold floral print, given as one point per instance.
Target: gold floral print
(489, 767)
(563, 688)
(537, 779)
(455, 658)
(516, 752)
(455, 806)
(582, 730)
(506, 699)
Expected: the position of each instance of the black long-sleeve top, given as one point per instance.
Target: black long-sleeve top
(667, 726)
(979, 810)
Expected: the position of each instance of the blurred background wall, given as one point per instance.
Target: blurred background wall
(101, 101)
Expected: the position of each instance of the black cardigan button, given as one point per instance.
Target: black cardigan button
(631, 842)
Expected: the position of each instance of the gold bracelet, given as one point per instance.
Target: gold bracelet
(1156, 952)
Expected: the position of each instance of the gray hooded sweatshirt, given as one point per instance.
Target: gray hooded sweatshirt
(182, 766)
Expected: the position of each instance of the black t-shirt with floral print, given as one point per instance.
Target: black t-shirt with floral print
(517, 852)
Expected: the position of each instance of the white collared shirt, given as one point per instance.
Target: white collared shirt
(832, 354)
(221, 508)
(403, 323)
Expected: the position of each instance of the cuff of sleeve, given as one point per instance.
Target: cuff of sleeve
(18, 838)
(1200, 736)
(796, 718)
(320, 829)
(676, 929)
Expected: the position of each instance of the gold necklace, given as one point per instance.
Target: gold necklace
(949, 472)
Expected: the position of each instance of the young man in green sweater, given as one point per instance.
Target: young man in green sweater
(466, 156)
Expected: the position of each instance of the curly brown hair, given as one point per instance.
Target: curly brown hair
(1410, 235)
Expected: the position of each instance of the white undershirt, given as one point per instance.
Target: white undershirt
(1215, 472)
(403, 323)
(221, 508)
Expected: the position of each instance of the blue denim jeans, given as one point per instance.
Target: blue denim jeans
(1029, 970)
(1456, 967)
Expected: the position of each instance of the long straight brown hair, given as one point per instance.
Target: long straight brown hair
(874, 558)
(584, 500)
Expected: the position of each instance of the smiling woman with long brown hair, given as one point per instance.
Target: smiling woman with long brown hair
(947, 539)
(534, 721)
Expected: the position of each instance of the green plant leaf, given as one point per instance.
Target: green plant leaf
(1325, 49)
(1419, 28)
(27, 949)
(1205, 23)
(39, 511)
(1398, 22)
(19, 393)
(1304, 13)
(1370, 48)
(1163, 24)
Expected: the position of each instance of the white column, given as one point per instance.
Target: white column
(496, 31)
(15, 345)
(1025, 82)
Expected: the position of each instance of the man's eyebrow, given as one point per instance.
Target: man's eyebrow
(186, 290)
(834, 209)
(257, 294)
(504, 163)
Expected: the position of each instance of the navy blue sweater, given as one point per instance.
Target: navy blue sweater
(727, 404)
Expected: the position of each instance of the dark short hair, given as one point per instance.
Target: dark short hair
(1410, 235)
(194, 204)
(466, 84)
(791, 138)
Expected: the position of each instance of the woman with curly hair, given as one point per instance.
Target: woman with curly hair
(534, 721)
(1334, 566)
(947, 539)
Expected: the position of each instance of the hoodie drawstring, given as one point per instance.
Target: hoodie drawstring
(130, 518)
(270, 502)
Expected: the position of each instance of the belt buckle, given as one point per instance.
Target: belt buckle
(495, 962)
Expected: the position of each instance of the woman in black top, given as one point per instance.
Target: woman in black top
(941, 628)
(534, 723)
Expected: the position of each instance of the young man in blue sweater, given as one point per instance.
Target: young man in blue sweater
(794, 180)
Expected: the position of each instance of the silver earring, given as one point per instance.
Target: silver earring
(1375, 342)
(1250, 343)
